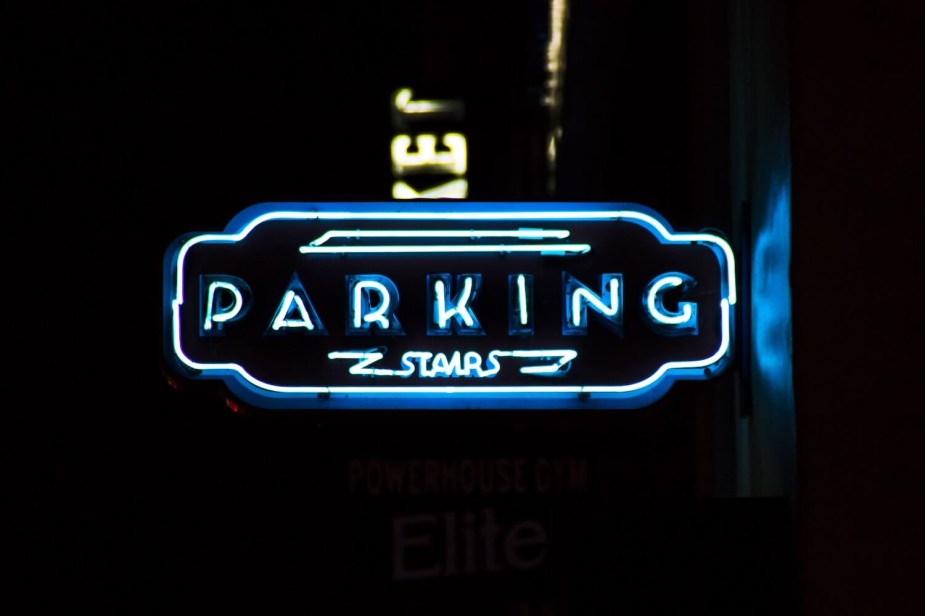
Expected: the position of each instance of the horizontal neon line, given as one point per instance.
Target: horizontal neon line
(545, 249)
(523, 234)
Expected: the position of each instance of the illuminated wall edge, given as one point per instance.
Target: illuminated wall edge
(319, 397)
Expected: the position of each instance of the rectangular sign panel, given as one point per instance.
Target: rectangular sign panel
(394, 305)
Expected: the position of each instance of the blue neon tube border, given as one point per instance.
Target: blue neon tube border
(633, 395)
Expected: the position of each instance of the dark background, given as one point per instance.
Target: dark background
(133, 124)
(856, 97)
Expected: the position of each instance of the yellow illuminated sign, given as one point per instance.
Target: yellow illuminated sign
(427, 153)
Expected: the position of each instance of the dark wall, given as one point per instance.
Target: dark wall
(858, 90)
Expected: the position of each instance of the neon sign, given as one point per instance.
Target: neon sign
(490, 305)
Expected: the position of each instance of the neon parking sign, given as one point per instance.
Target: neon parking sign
(429, 305)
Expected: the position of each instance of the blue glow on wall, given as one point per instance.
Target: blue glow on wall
(771, 294)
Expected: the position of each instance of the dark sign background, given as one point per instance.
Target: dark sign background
(136, 123)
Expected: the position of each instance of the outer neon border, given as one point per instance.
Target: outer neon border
(266, 395)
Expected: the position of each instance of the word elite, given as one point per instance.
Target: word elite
(449, 544)
(372, 305)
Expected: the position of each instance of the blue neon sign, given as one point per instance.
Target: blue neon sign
(490, 305)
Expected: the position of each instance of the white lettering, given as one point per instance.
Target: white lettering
(427, 158)
(292, 301)
(665, 321)
(470, 364)
(458, 307)
(578, 298)
(373, 300)
(454, 189)
(375, 316)
(216, 312)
